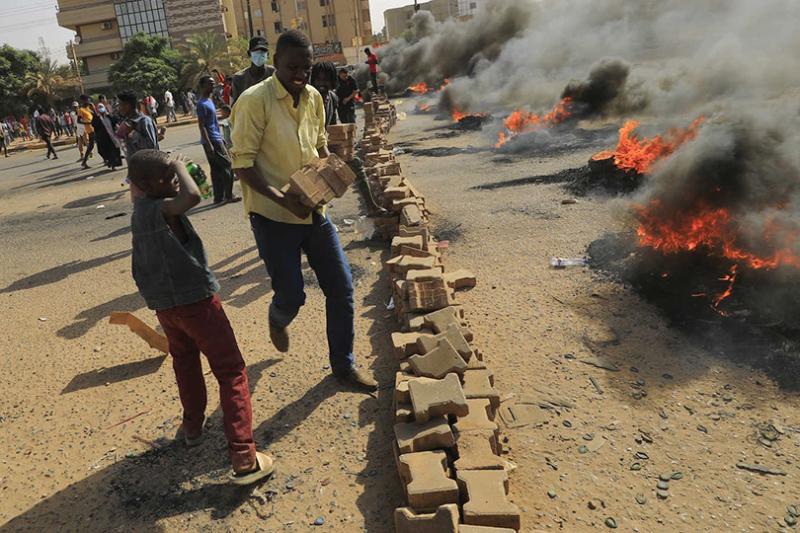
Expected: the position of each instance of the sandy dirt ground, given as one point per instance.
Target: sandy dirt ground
(88, 412)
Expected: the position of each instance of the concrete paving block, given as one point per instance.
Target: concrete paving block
(403, 413)
(438, 362)
(461, 279)
(414, 241)
(435, 434)
(405, 344)
(485, 501)
(480, 416)
(478, 450)
(444, 520)
(424, 475)
(479, 383)
(465, 528)
(430, 398)
(440, 320)
(426, 343)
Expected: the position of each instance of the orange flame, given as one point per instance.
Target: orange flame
(419, 88)
(444, 84)
(423, 108)
(523, 121)
(716, 231)
(457, 114)
(633, 153)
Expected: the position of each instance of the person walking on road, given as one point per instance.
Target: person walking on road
(277, 127)
(169, 105)
(214, 145)
(85, 117)
(107, 142)
(45, 128)
(257, 72)
(347, 91)
(5, 138)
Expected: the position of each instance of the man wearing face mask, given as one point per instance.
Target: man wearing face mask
(257, 72)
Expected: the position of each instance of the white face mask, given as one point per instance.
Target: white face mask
(258, 57)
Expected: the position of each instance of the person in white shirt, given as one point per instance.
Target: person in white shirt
(169, 103)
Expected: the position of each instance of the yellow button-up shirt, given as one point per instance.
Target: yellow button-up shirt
(268, 132)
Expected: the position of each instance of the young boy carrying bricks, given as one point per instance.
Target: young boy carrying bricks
(171, 271)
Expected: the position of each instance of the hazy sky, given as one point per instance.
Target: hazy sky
(23, 22)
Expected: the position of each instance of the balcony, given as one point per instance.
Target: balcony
(73, 17)
(94, 47)
(96, 80)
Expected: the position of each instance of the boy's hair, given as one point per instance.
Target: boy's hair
(326, 69)
(225, 108)
(145, 165)
(127, 97)
(292, 39)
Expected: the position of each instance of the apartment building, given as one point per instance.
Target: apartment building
(102, 27)
(399, 19)
(339, 29)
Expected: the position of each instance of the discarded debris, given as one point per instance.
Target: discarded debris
(561, 262)
(596, 385)
(759, 469)
(148, 334)
(116, 215)
(599, 362)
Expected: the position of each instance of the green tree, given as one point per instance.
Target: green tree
(203, 53)
(15, 65)
(50, 81)
(148, 66)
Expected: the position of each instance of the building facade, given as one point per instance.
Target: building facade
(339, 29)
(398, 19)
(102, 27)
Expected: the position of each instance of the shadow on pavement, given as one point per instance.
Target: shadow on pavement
(61, 272)
(115, 374)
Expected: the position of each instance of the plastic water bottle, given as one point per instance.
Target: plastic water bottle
(561, 262)
(199, 177)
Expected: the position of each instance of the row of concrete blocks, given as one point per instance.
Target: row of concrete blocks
(342, 140)
(447, 447)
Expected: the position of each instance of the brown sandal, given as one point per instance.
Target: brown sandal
(264, 468)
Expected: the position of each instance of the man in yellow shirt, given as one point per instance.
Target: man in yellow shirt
(278, 125)
(85, 117)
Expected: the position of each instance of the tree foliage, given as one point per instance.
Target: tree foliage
(50, 81)
(148, 66)
(15, 65)
(207, 51)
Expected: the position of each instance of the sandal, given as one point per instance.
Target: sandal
(264, 468)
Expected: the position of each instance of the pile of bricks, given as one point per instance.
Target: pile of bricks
(342, 140)
(380, 113)
(448, 447)
(321, 180)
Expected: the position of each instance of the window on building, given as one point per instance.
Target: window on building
(141, 16)
(278, 28)
(328, 20)
(324, 3)
(259, 33)
(301, 5)
(275, 8)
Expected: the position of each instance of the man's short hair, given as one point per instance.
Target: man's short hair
(128, 97)
(84, 97)
(146, 165)
(292, 39)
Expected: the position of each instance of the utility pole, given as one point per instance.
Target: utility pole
(75, 63)
(416, 5)
(249, 19)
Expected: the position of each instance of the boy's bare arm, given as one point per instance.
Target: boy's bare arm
(188, 192)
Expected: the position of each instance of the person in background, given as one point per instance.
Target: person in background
(136, 130)
(170, 268)
(191, 102)
(257, 72)
(85, 117)
(152, 108)
(5, 138)
(323, 79)
(59, 130)
(107, 142)
(45, 129)
(80, 130)
(278, 126)
(225, 124)
(372, 61)
(226, 91)
(214, 145)
(169, 106)
(346, 92)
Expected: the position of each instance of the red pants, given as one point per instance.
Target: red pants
(203, 326)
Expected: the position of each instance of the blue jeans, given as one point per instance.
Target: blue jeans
(279, 245)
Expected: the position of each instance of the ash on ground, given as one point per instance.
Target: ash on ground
(758, 325)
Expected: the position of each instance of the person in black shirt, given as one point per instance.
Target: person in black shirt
(323, 79)
(347, 91)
